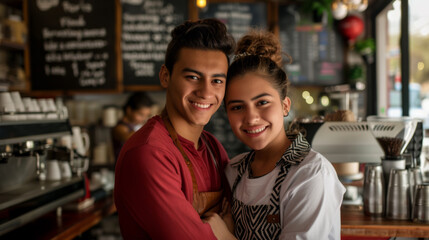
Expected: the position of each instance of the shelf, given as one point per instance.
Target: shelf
(20, 131)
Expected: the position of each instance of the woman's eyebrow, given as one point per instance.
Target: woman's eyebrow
(254, 98)
(260, 95)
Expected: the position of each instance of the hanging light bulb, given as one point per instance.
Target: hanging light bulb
(363, 6)
(339, 10)
(201, 3)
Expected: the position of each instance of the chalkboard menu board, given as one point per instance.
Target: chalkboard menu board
(72, 44)
(316, 50)
(220, 128)
(238, 17)
(146, 28)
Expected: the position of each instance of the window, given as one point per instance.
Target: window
(389, 69)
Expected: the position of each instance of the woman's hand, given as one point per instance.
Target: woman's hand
(218, 226)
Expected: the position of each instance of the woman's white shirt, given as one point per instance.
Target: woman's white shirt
(310, 197)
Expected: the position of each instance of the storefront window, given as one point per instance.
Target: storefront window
(389, 60)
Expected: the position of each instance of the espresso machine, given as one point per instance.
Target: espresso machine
(27, 188)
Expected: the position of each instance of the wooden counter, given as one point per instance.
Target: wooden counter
(73, 223)
(69, 225)
(355, 223)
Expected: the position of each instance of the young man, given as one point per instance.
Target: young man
(170, 165)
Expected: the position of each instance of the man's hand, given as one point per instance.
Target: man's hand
(226, 215)
(218, 226)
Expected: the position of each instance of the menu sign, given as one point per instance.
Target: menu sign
(72, 44)
(238, 17)
(316, 50)
(146, 28)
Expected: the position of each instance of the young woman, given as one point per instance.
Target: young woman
(282, 189)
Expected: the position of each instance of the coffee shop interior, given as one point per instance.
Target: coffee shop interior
(67, 67)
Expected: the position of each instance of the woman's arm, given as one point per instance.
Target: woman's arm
(311, 209)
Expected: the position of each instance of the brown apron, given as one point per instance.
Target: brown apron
(203, 202)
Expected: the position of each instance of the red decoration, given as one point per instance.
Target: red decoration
(351, 27)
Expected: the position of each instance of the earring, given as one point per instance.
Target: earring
(287, 114)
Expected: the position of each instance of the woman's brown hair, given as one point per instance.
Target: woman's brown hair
(260, 52)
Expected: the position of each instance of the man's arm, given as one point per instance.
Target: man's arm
(151, 191)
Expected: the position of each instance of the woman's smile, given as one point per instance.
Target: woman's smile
(255, 131)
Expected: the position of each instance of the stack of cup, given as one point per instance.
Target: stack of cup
(373, 190)
(416, 178)
(19, 105)
(421, 203)
(398, 202)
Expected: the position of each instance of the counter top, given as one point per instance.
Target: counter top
(67, 226)
(73, 223)
(355, 223)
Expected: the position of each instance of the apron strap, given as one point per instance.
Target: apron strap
(176, 142)
(242, 169)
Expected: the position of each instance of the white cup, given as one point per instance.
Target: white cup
(110, 116)
(65, 170)
(28, 104)
(6, 103)
(61, 108)
(16, 98)
(7, 107)
(53, 170)
(43, 104)
(80, 140)
(66, 141)
(19, 105)
(51, 109)
(37, 108)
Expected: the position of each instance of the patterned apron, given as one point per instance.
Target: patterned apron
(263, 221)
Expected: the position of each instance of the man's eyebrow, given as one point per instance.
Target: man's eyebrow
(222, 75)
(192, 70)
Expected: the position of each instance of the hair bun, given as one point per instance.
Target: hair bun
(261, 43)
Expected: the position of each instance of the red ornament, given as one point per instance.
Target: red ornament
(351, 27)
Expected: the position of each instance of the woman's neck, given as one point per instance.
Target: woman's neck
(266, 159)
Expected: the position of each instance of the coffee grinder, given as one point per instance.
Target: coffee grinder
(393, 135)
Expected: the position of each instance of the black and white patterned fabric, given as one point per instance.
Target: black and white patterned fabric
(263, 221)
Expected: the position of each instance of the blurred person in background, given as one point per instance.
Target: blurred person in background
(137, 111)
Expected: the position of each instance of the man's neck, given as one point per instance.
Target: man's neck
(186, 130)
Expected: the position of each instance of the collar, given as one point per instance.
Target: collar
(297, 151)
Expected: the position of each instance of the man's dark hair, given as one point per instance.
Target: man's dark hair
(204, 34)
(138, 100)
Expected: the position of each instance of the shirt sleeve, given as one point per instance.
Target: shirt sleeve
(312, 206)
(151, 192)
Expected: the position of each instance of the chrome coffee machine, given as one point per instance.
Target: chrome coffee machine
(27, 188)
